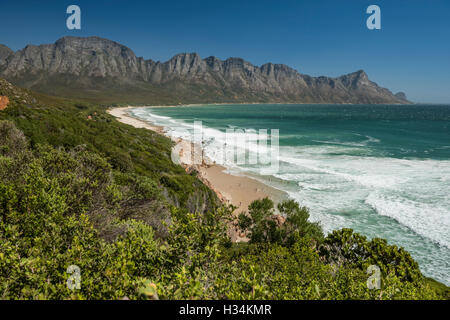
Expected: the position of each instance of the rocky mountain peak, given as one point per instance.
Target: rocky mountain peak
(185, 64)
(355, 79)
(5, 52)
(81, 62)
(94, 45)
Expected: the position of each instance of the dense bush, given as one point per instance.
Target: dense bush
(344, 247)
(262, 225)
(126, 149)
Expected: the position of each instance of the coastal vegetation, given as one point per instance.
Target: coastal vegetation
(78, 188)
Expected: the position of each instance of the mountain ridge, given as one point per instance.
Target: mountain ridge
(97, 66)
(5, 52)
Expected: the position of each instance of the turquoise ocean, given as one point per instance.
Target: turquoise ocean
(382, 170)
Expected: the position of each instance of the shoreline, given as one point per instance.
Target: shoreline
(268, 103)
(238, 190)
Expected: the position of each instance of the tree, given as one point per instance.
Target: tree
(262, 225)
(345, 247)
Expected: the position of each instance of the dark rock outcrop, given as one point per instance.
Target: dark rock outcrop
(401, 96)
(5, 52)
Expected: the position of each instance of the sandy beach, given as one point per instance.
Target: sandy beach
(122, 115)
(238, 190)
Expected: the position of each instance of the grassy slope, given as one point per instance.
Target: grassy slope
(112, 91)
(65, 123)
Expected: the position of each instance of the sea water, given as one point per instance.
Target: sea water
(382, 170)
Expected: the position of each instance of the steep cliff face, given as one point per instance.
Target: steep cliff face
(96, 64)
(5, 52)
(93, 57)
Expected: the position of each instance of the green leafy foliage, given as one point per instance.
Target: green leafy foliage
(262, 225)
(344, 247)
(137, 152)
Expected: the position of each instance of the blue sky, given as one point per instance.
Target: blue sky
(410, 53)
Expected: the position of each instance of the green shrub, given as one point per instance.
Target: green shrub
(344, 247)
(262, 225)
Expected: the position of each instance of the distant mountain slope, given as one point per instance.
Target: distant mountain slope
(14, 95)
(104, 70)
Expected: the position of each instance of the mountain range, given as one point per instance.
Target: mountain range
(98, 69)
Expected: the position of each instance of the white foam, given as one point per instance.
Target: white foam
(429, 220)
(329, 181)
